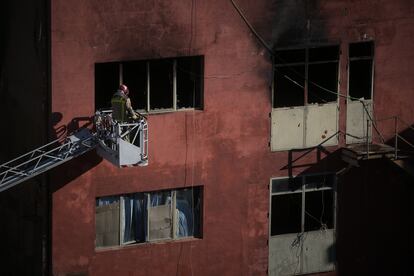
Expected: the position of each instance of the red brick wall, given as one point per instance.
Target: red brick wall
(225, 146)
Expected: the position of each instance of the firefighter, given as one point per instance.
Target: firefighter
(122, 109)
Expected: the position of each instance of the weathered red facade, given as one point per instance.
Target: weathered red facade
(225, 146)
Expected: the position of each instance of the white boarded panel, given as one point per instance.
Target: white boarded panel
(287, 128)
(290, 254)
(321, 123)
(356, 121)
(284, 255)
(319, 251)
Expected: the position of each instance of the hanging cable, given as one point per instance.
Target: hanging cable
(268, 48)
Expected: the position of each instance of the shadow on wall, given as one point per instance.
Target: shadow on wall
(318, 159)
(375, 214)
(374, 211)
(74, 168)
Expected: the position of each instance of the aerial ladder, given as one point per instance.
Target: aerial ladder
(124, 144)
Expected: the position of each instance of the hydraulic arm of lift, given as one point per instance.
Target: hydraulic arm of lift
(122, 144)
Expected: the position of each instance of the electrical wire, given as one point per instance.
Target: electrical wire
(267, 47)
(272, 53)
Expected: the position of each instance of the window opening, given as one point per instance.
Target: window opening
(286, 214)
(290, 80)
(303, 76)
(135, 76)
(106, 83)
(189, 82)
(361, 57)
(318, 210)
(161, 84)
(155, 85)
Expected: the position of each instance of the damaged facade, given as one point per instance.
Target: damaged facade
(246, 171)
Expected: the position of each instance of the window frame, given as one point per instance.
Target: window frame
(174, 217)
(306, 63)
(303, 190)
(350, 59)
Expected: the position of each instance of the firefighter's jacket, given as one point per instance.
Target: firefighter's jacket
(121, 107)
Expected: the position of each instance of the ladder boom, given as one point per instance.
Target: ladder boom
(124, 144)
(45, 158)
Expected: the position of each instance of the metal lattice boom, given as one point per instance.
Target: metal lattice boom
(44, 158)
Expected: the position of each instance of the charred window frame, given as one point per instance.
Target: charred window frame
(361, 70)
(160, 85)
(305, 76)
(148, 217)
(302, 204)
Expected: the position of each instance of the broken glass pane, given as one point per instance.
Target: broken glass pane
(289, 86)
(319, 213)
(323, 82)
(286, 214)
(360, 79)
(189, 82)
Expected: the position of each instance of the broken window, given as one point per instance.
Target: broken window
(305, 76)
(302, 204)
(361, 57)
(145, 217)
(155, 85)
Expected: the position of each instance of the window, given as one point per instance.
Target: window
(302, 204)
(305, 100)
(305, 76)
(360, 70)
(360, 90)
(155, 85)
(302, 221)
(147, 217)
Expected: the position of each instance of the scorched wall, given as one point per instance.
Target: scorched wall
(225, 146)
